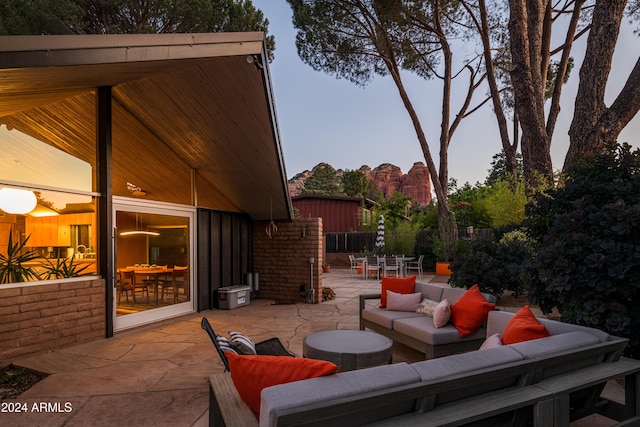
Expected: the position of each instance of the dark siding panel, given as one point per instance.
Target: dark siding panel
(224, 253)
(216, 251)
(205, 301)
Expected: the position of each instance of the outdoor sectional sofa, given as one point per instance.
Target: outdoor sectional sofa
(545, 382)
(416, 330)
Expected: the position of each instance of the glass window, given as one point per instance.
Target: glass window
(46, 200)
(59, 236)
(152, 261)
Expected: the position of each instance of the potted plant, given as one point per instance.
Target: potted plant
(444, 245)
(326, 268)
(12, 269)
(61, 269)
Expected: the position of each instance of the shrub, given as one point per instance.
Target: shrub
(588, 263)
(495, 265)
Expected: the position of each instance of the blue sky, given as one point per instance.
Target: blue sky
(325, 119)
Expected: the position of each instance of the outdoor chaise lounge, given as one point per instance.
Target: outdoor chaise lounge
(272, 346)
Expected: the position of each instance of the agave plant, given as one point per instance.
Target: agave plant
(63, 269)
(12, 269)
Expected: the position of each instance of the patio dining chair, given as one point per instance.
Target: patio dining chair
(354, 265)
(270, 347)
(391, 264)
(373, 267)
(415, 265)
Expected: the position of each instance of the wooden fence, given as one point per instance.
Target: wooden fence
(360, 242)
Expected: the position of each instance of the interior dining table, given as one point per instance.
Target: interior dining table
(154, 276)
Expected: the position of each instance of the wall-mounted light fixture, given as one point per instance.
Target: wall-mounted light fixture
(255, 60)
(16, 201)
(135, 190)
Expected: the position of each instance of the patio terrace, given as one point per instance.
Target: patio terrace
(157, 374)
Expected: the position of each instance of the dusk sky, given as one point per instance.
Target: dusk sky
(325, 119)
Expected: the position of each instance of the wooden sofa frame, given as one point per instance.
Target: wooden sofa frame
(538, 395)
(430, 351)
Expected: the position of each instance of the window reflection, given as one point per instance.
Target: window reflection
(60, 230)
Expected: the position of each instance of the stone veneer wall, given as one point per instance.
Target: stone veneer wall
(282, 261)
(36, 318)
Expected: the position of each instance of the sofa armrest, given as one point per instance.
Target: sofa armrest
(364, 298)
(226, 407)
(363, 301)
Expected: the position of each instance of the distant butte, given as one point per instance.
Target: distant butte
(387, 177)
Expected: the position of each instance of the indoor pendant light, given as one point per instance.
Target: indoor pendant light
(138, 232)
(16, 201)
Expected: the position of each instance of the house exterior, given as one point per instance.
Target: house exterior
(339, 214)
(142, 155)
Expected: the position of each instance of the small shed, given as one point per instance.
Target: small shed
(339, 214)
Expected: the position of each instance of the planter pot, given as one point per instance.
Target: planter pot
(442, 269)
(326, 269)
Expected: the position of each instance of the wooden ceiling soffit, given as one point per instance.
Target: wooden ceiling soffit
(68, 125)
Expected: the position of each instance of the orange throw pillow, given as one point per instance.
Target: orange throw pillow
(250, 374)
(523, 326)
(470, 311)
(399, 285)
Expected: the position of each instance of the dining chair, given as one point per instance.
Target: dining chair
(180, 279)
(124, 285)
(156, 278)
(129, 275)
(373, 266)
(415, 265)
(391, 264)
(354, 265)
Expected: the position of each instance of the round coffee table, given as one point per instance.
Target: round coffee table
(349, 349)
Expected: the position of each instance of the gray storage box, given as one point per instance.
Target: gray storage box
(230, 297)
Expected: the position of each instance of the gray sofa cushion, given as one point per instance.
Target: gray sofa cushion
(442, 367)
(340, 385)
(498, 320)
(452, 294)
(436, 369)
(421, 328)
(553, 344)
(386, 318)
(431, 292)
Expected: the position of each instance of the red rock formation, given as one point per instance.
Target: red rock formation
(417, 184)
(388, 178)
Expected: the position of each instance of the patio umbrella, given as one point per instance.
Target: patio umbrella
(380, 234)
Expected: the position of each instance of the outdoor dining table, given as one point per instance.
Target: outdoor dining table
(402, 261)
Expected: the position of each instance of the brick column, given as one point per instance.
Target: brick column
(283, 261)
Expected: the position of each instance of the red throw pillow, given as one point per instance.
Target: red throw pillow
(399, 285)
(523, 326)
(470, 311)
(250, 374)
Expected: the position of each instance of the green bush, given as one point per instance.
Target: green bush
(495, 265)
(588, 262)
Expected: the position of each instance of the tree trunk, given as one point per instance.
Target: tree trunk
(593, 123)
(508, 148)
(526, 27)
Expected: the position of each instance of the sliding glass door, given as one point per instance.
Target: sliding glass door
(154, 247)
